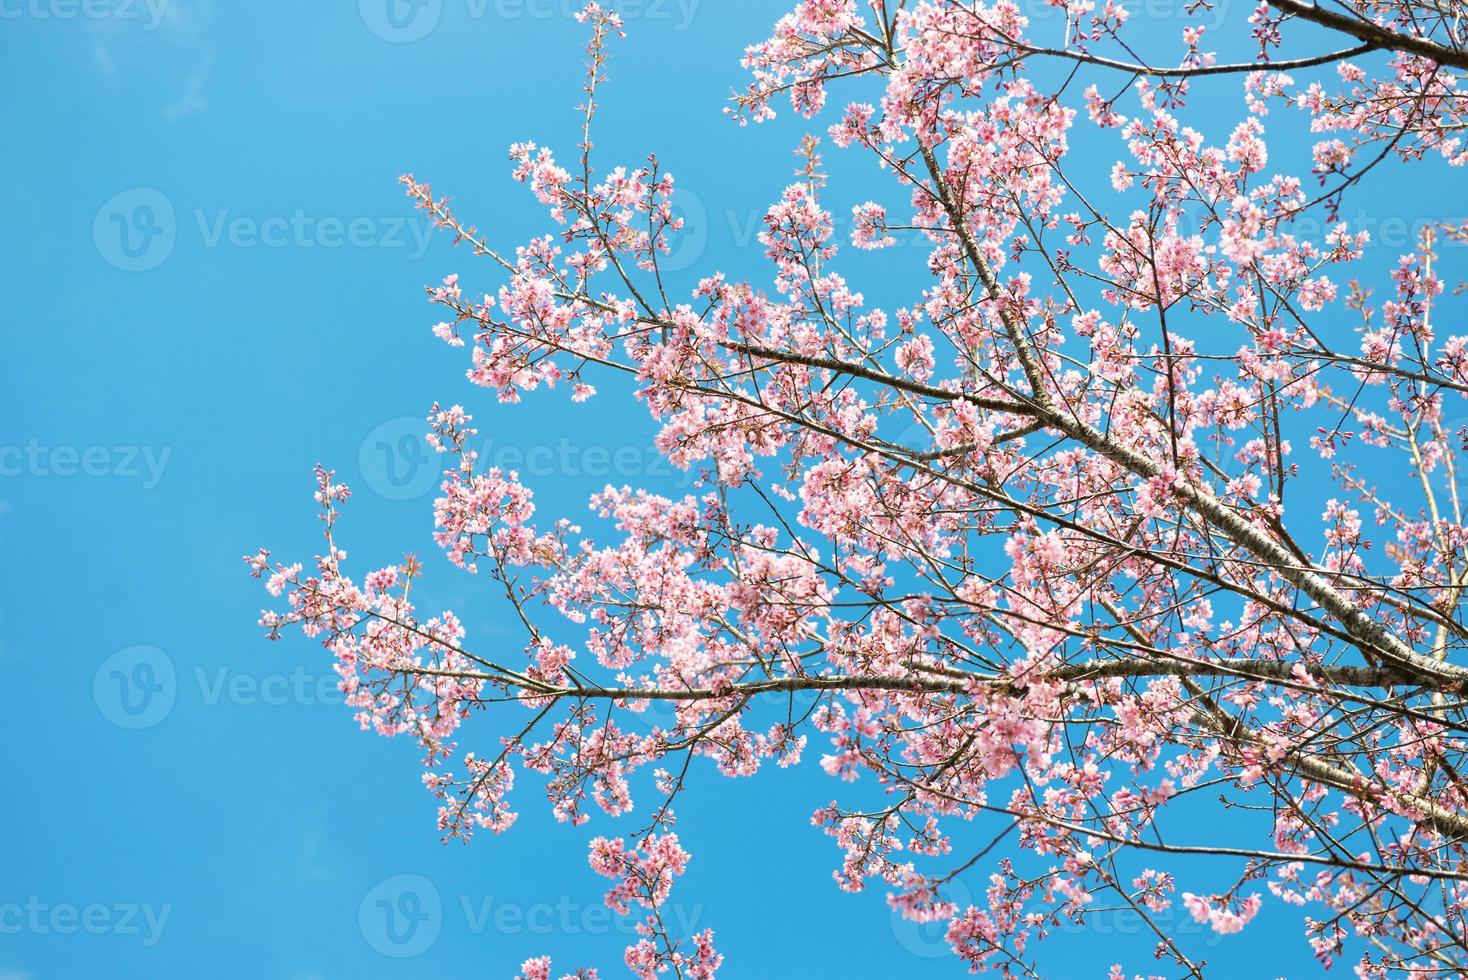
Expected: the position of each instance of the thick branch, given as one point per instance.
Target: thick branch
(1373, 34)
(960, 682)
(1239, 529)
(1199, 71)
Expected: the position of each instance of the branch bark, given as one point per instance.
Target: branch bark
(1371, 635)
(1373, 34)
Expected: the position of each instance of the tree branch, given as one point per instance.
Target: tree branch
(1373, 34)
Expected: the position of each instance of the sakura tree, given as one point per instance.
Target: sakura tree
(1145, 505)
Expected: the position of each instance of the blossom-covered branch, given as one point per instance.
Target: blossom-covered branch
(1144, 499)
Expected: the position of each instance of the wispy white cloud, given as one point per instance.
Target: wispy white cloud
(192, 99)
(173, 35)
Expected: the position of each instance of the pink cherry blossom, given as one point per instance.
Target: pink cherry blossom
(1115, 560)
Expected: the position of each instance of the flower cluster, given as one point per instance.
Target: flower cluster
(1147, 498)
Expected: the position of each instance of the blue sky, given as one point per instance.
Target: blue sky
(213, 281)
